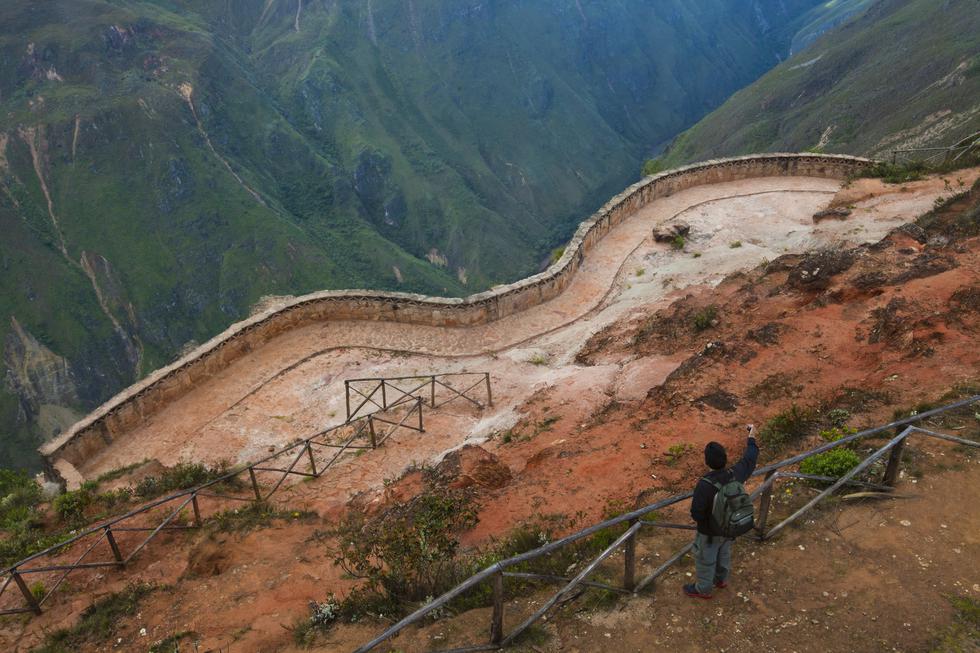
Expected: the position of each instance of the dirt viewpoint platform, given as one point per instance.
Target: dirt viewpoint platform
(293, 385)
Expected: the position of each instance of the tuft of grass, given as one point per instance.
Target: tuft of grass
(787, 426)
(704, 318)
(253, 516)
(170, 644)
(735, 244)
(678, 243)
(98, 622)
(964, 633)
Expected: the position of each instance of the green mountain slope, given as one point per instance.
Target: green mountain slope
(166, 163)
(906, 73)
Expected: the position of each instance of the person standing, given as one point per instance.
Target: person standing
(712, 550)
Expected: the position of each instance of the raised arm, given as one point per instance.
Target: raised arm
(743, 469)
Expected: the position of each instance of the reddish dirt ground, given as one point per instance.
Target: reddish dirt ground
(586, 418)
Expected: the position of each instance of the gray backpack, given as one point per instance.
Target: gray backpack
(732, 513)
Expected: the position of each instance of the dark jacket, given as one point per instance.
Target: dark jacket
(704, 492)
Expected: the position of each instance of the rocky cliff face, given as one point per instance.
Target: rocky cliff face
(165, 165)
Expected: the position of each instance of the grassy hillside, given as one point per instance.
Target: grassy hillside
(166, 163)
(906, 73)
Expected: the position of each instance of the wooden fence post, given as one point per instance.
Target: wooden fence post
(309, 452)
(894, 462)
(28, 596)
(255, 484)
(629, 561)
(497, 620)
(197, 511)
(384, 396)
(489, 393)
(432, 393)
(374, 436)
(114, 546)
(347, 397)
(764, 502)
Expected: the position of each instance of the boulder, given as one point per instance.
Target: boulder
(667, 232)
(837, 213)
(473, 465)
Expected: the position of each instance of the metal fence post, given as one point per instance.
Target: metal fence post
(114, 546)
(894, 462)
(255, 484)
(629, 561)
(497, 620)
(374, 436)
(489, 393)
(28, 596)
(764, 502)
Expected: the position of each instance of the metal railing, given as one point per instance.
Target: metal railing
(634, 521)
(310, 457)
(384, 392)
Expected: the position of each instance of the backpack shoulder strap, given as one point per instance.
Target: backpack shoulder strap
(710, 482)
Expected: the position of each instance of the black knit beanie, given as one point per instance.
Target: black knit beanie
(715, 456)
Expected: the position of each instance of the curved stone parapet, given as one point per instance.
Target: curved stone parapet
(132, 406)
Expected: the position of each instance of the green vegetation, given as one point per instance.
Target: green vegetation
(411, 553)
(678, 243)
(704, 318)
(834, 463)
(98, 622)
(788, 426)
(735, 244)
(864, 93)
(652, 167)
(677, 451)
(962, 636)
(204, 155)
(252, 516)
(170, 644)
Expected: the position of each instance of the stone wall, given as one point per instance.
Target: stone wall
(129, 408)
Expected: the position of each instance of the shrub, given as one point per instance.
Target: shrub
(834, 463)
(71, 506)
(703, 318)
(19, 498)
(789, 425)
(735, 244)
(678, 243)
(556, 254)
(838, 416)
(837, 433)
(179, 477)
(405, 555)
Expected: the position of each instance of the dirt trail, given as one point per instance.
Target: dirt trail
(292, 386)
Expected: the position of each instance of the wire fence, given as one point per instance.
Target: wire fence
(637, 520)
(114, 543)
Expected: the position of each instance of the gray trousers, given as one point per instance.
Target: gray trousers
(712, 560)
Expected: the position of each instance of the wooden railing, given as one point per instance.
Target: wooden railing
(634, 522)
(114, 543)
(380, 393)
